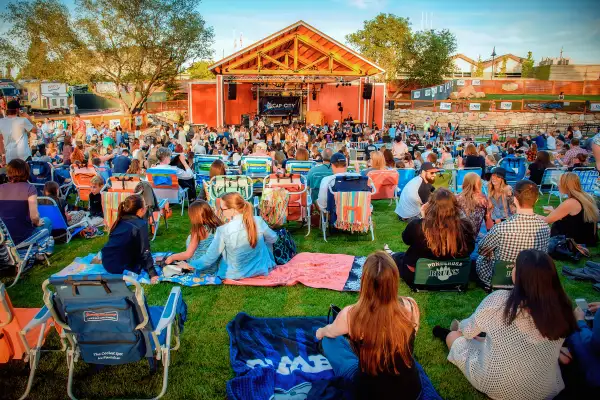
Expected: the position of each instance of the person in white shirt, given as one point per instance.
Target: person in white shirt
(338, 167)
(179, 165)
(551, 142)
(399, 149)
(416, 193)
(15, 132)
(577, 133)
(492, 148)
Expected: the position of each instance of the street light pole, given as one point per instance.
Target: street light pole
(493, 59)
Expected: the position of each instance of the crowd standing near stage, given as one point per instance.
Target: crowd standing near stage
(517, 341)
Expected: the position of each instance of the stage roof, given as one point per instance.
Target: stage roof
(298, 51)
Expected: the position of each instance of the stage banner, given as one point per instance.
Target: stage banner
(445, 106)
(476, 82)
(595, 107)
(280, 106)
(506, 105)
(474, 106)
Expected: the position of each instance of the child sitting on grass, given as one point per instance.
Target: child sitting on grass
(70, 217)
(204, 222)
(95, 203)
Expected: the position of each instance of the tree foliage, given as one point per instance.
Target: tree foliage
(136, 46)
(478, 73)
(502, 73)
(383, 40)
(527, 66)
(199, 70)
(428, 57)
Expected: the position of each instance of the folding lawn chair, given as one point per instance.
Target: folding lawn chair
(257, 168)
(502, 276)
(104, 172)
(82, 180)
(386, 184)
(458, 176)
(126, 183)
(299, 167)
(105, 323)
(404, 176)
(202, 164)
(315, 182)
(220, 185)
(21, 257)
(349, 205)
(515, 167)
(22, 334)
(357, 166)
(450, 275)
(588, 177)
(166, 187)
(40, 172)
(549, 182)
(300, 200)
(48, 207)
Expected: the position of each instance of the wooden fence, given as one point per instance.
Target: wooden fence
(159, 106)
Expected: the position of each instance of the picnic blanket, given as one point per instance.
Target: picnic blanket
(338, 272)
(278, 358)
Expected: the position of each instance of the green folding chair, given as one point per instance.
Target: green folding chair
(502, 277)
(450, 275)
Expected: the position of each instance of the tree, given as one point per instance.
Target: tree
(134, 46)
(199, 70)
(502, 73)
(38, 65)
(427, 58)
(478, 73)
(527, 66)
(383, 39)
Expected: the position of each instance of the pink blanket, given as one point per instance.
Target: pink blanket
(317, 270)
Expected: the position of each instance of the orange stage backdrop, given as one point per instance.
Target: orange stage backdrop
(203, 99)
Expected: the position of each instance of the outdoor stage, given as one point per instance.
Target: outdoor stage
(298, 74)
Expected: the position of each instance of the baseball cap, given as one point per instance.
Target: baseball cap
(336, 157)
(13, 105)
(429, 167)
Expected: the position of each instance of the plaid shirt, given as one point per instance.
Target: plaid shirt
(571, 155)
(507, 239)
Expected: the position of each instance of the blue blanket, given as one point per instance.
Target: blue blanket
(278, 358)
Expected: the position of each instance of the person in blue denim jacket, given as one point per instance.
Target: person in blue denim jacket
(244, 243)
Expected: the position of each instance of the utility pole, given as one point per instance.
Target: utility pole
(493, 59)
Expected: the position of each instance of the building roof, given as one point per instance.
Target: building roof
(487, 63)
(297, 50)
(463, 57)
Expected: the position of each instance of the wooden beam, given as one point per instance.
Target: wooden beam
(274, 61)
(287, 64)
(317, 62)
(254, 54)
(296, 53)
(311, 43)
(258, 61)
(330, 64)
(291, 72)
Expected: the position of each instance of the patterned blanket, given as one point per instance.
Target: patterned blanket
(338, 272)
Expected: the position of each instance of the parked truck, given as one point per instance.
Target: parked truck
(45, 96)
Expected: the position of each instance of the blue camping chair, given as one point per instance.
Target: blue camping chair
(257, 168)
(166, 187)
(299, 167)
(202, 164)
(105, 323)
(458, 176)
(47, 207)
(515, 167)
(549, 183)
(405, 175)
(40, 172)
(22, 256)
(588, 178)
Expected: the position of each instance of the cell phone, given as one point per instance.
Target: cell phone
(582, 303)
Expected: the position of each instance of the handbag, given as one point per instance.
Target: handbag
(284, 249)
(332, 313)
(566, 249)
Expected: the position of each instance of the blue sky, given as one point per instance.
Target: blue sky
(512, 26)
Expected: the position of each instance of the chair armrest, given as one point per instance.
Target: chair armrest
(42, 316)
(31, 240)
(169, 313)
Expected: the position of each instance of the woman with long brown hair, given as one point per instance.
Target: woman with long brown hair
(377, 358)
(576, 217)
(441, 234)
(475, 206)
(244, 243)
(501, 196)
(128, 246)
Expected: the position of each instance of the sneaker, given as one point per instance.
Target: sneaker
(387, 249)
(454, 325)
(440, 332)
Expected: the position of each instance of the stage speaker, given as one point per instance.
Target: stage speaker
(340, 109)
(232, 92)
(367, 91)
(392, 105)
(314, 95)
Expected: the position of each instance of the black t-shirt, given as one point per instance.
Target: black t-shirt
(414, 237)
(96, 205)
(536, 172)
(425, 190)
(474, 162)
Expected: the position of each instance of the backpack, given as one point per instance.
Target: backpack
(284, 249)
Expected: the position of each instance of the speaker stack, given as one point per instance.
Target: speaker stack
(367, 91)
(232, 91)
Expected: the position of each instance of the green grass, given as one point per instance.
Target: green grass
(200, 369)
(537, 97)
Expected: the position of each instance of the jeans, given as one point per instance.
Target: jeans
(47, 225)
(342, 358)
(406, 274)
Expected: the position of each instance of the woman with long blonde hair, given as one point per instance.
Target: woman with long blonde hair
(501, 196)
(576, 217)
(377, 358)
(244, 244)
(441, 234)
(473, 203)
(377, 162)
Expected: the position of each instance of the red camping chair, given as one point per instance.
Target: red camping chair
(386, 184)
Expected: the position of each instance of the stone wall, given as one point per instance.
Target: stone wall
(488, 119)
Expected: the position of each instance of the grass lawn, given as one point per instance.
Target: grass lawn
(537, 97)
(200, 368)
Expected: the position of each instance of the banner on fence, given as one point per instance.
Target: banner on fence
(113, 123)
(475, 106)
(594, 106)
(437, 92)
(427, 92)
(506, 105)
(416, 95)
(445, 106)
(442, 88)
(460, 82)
(476, 82)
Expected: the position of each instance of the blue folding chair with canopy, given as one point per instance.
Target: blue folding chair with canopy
(48, 208)
(404, 176)
(202, 164)
(257, 168)
(106, 323)
(299, 167)
(516, 168)
(458, 176)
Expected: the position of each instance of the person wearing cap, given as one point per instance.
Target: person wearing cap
(15, 132)
(416, 193)
(338, 168)
(501, 196)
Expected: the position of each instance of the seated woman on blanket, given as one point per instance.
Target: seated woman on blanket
(441, 234)
(244, 243)
(204, 222)
(128, 246)
(524, 331)
(370, 344)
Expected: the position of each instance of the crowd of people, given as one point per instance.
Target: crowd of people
(514, 344)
